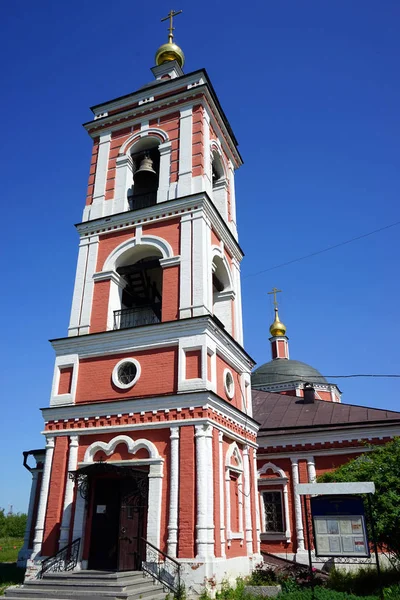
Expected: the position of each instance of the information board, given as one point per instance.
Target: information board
(339, 526)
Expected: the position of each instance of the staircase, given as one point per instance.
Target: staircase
(90, 585)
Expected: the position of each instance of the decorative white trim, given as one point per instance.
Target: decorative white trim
(256, 501)
(234, 452)
(44, 495)
(138, 135)
(221, 491)
(149, 240)
(247, 501)
(312, 474)
(114, 376)
(201, 492)
(64, 362)
(185, 152)
(174, 493)
(172, 261)
(229, 387)
(283, 481)
(109, 448)
(22, 553)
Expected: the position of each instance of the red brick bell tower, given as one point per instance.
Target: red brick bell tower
(152, 383)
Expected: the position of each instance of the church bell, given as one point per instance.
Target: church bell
(145, 176)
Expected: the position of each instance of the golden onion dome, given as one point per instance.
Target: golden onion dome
(277, 328)
(170, 51)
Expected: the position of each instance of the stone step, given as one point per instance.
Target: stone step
(131, 585)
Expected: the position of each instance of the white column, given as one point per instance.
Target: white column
(79, 515)
(164, 175)
(77, 297)
(297, 507)
(256, 501)
(201, 492)
(174, 493)
(238, 301)
(221, 491)
(286, 509)
(155, 503)
(312, 474)
(185, 303)
(44, 494)
(123, 181)
(231, 179)
(35, 474)
(69, 492)
(247, 501)
(97, 209)
(185, 152)
(210, 490)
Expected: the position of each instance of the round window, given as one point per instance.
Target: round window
(229, 384)
(126, 373)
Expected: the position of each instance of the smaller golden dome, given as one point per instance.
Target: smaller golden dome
(277, 328)
(170, 51)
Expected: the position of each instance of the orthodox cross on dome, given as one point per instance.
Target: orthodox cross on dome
(172, 13)
(274, 291)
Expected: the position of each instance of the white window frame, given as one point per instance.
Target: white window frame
(115, 380)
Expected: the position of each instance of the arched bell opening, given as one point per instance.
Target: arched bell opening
(140, 288)
(219, 183)
(222, 293)
(146, 173)
(218, 172)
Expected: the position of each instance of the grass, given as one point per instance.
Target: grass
(10, 574)
(9, 548)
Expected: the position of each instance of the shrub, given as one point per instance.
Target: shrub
(362, 581)
(321, 593)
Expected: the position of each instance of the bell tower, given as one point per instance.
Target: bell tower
(153, 379)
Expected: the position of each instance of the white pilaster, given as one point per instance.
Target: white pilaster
(247, 501)
(221, 491)
(232, 197)
(44, 495)
(101, 176)
(207, 154)
(297, 506)
(238, 301)
(312, 474)
(76, 308)
(201, 491)
(83, 290)
(87, 300)
(164, 173)
(123, 181)
(202, 275)
(174, 493)
(69, 492)
(185, 152)
(185, 303)
(155, 504)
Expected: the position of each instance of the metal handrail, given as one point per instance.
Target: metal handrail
(65, 559)
(170, 577)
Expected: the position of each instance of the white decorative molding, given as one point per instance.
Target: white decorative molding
(247, 501)
(204, 546)
(282, 479)
(22, 554)
(229, 383)
(221, 491)
(185, 151)
(312, 474)
(109, 448)
(138, 135)
(160, 244)
(115, 373)
(234, 463)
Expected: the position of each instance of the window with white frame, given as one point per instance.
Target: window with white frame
(273, 510)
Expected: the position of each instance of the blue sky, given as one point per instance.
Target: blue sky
(312, 92)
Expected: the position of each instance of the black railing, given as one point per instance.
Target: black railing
(66, 559)
(142, 200)
(162, 567)
(134, 317)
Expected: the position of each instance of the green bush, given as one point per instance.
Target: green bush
(12, 525)
(362, 581)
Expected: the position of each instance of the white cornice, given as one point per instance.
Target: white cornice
(160, 404)
(171, 209)
(153, 336)
(135, 115)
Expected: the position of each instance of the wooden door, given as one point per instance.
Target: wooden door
(104, 531)
(132, 522)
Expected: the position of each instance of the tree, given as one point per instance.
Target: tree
(12, 525)
(382, 466)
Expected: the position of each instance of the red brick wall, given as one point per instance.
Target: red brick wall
(198, 141)
(158, 376)
(170, 294)
(187, 488)
(237, 399)
(64, 385)
(101, 295)
(56, 497)
(92, 171)
(193, 364)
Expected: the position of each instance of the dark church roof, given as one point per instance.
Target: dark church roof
(282, 370)
(279, 413)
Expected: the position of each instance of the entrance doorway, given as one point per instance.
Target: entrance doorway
(119, 512)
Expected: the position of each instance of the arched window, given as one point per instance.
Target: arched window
(146, 173)
(273, 488)
(140, 288)
(219, 183)
(222, 292)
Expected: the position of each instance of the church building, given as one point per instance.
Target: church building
(158, 451)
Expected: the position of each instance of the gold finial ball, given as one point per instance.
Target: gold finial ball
(277, 328)
(170, 51)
